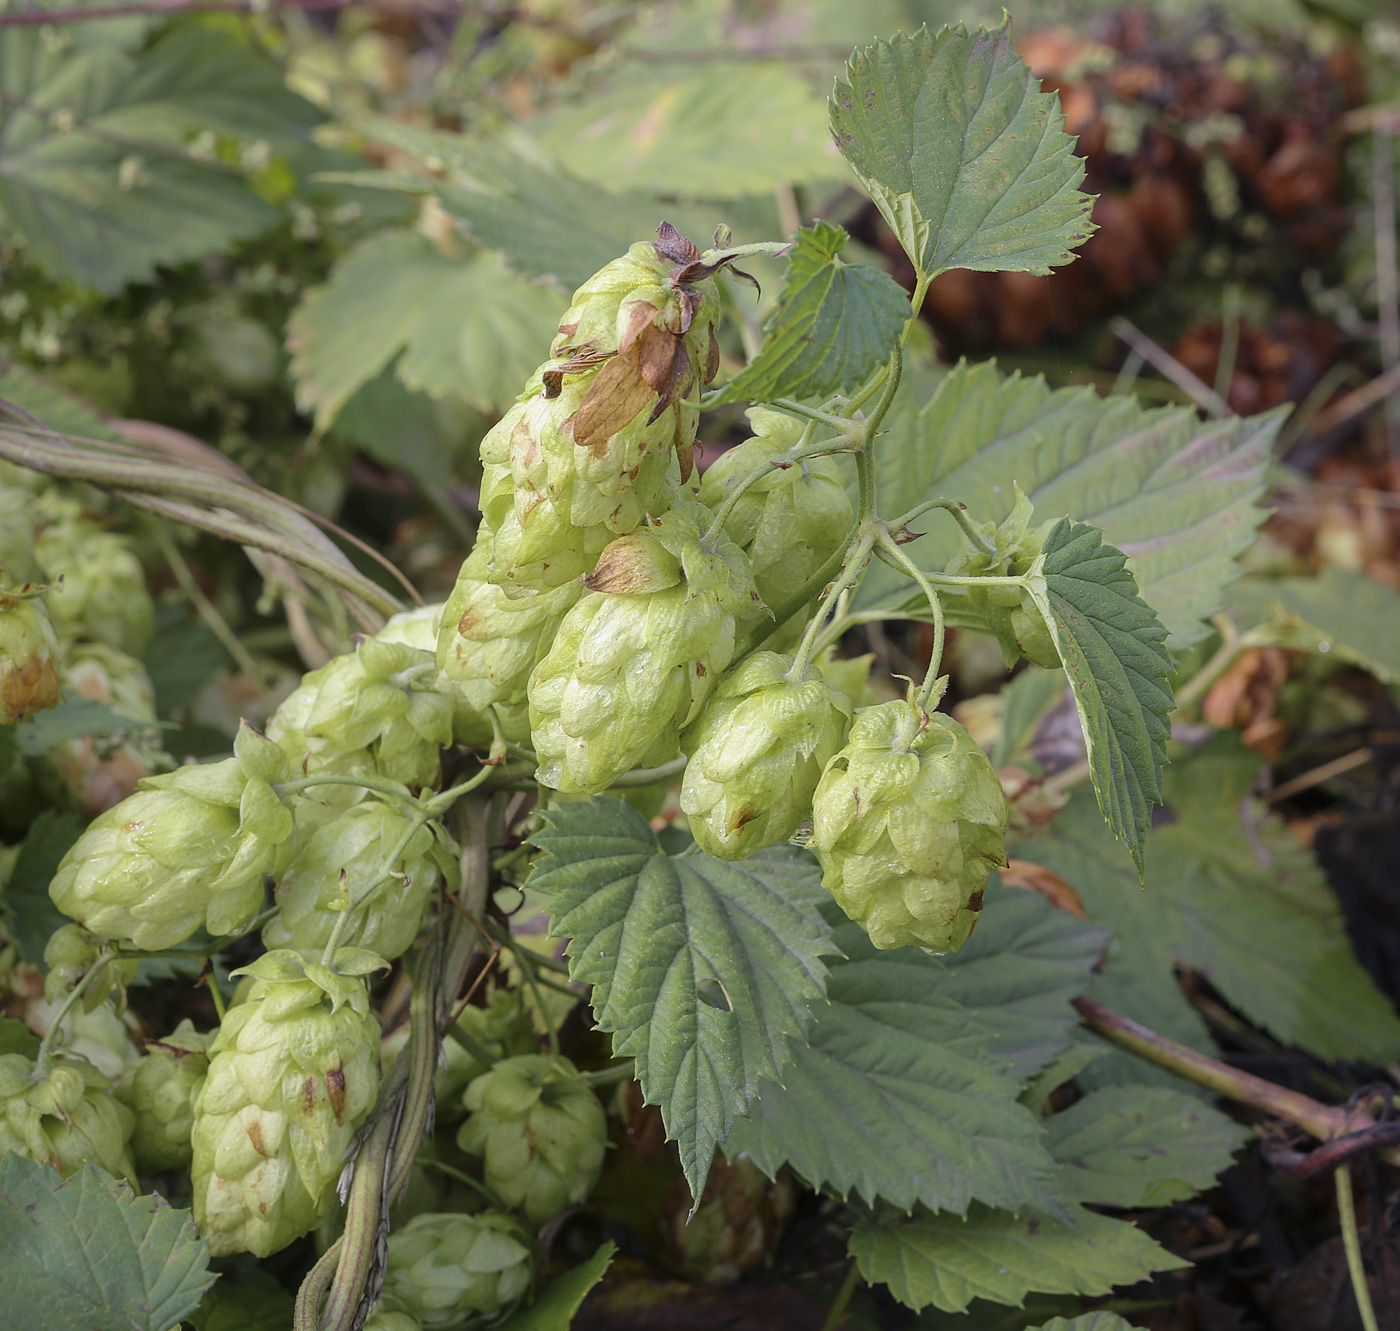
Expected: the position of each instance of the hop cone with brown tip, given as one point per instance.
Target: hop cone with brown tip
(908, 820)
(28, 658)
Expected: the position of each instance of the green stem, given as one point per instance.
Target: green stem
(439, 804)
(45, 1055)
(959, 515)
(343, 919)
(959, 580)
(841, 424)
(649, 776)
(216, 995)
(1351, 1239)
(525, 960)
(610, 1076)
(207, 611)
(475, 1183)
(842, 1299)
(892, 554)
(857, 557)
(366, 1218)
(389, 789)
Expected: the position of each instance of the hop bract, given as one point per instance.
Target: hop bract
(637, 656)
(373, 712)
(488, 642)
(65, 1119)
(344, 863)
(97, 586)
(481, 1038)
(293, 1072)
(451, 1271)
(1010, 612)
(540, 1131)
(28, 658)
(793, 520)
(189, 849)
(160, 1091)
(908, 820)
(757, 752)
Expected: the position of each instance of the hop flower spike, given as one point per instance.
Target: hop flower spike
(541, 1131)
(293, 1072)
(908, 820)
(63, 1119)
(190, 848)
(757, 751)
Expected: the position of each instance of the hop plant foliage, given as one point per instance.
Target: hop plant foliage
(29, 679)
(293, 1072)
(447, 1271)
(64, 1118)
(908, 820)
(161, 1091)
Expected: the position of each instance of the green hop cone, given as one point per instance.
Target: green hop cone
(541, 1132)
(371, 712)
(416, 627)
(344, 860)
(69, 954)
(65, 1119)
(488, 642)
(907, 821)
(452, 1271)
(190, 848)
(480, 1039)
(28, 657)
(1010, 612)
(386, 1319)
(293, 1072)
(97, 586)
(757, 751)
(637, 656)
(161, 1091)
(793, 520)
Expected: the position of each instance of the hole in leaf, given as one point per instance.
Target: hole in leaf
(711, 992)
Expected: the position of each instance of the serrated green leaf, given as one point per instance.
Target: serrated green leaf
(457, 327)
(557, 1303)
(245, 1300)
(1338, 612)
(88, 1253)
(95, 170)
(715, 133)
(30, 915)
(1176, 494)
(967, 160)
(1114, 653)
(1229, 892)
(896, 1096)
(1025, 701)
(948, 1260)
(72, 719)
(834, 324)
(1140, 1146)
(648, 931)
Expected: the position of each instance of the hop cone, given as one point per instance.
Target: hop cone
(908, 820)
(64, 1120)
(342, 860)
(1010, 612)
(98, 589)
(161, 1091)
(541, 1132)
(757, 751)
(412, 628)
(449, 1271)
(793, 520)
(188, 849)
(69, 954)
(385, 1319)
(293, 1072)
(371, 712)
(28, 658)
(637, 656)
(481, 1038)
(488, 642)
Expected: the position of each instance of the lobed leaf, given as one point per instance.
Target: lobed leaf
(1141, 1146)
(834, 324)
(554, 1307)
(87, 1252)
(1176, 494)
(1114, 653)
(701, 969)
(967, 160)
(949, 1260)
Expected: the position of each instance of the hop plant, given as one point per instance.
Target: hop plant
(189, 849)
(71, 953)
(344, 861)
(371, 712)
(1011, 614)
(65, 1118)
(17, 534)
(540, 1131)
(450, 1271)
(908, 820)
(481, 1038)
(638, 655)
(98, 588)
(161, 1091)
(28, 658)
(293, 1072)
(757, 751)
(488, 642)
(790, 522)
